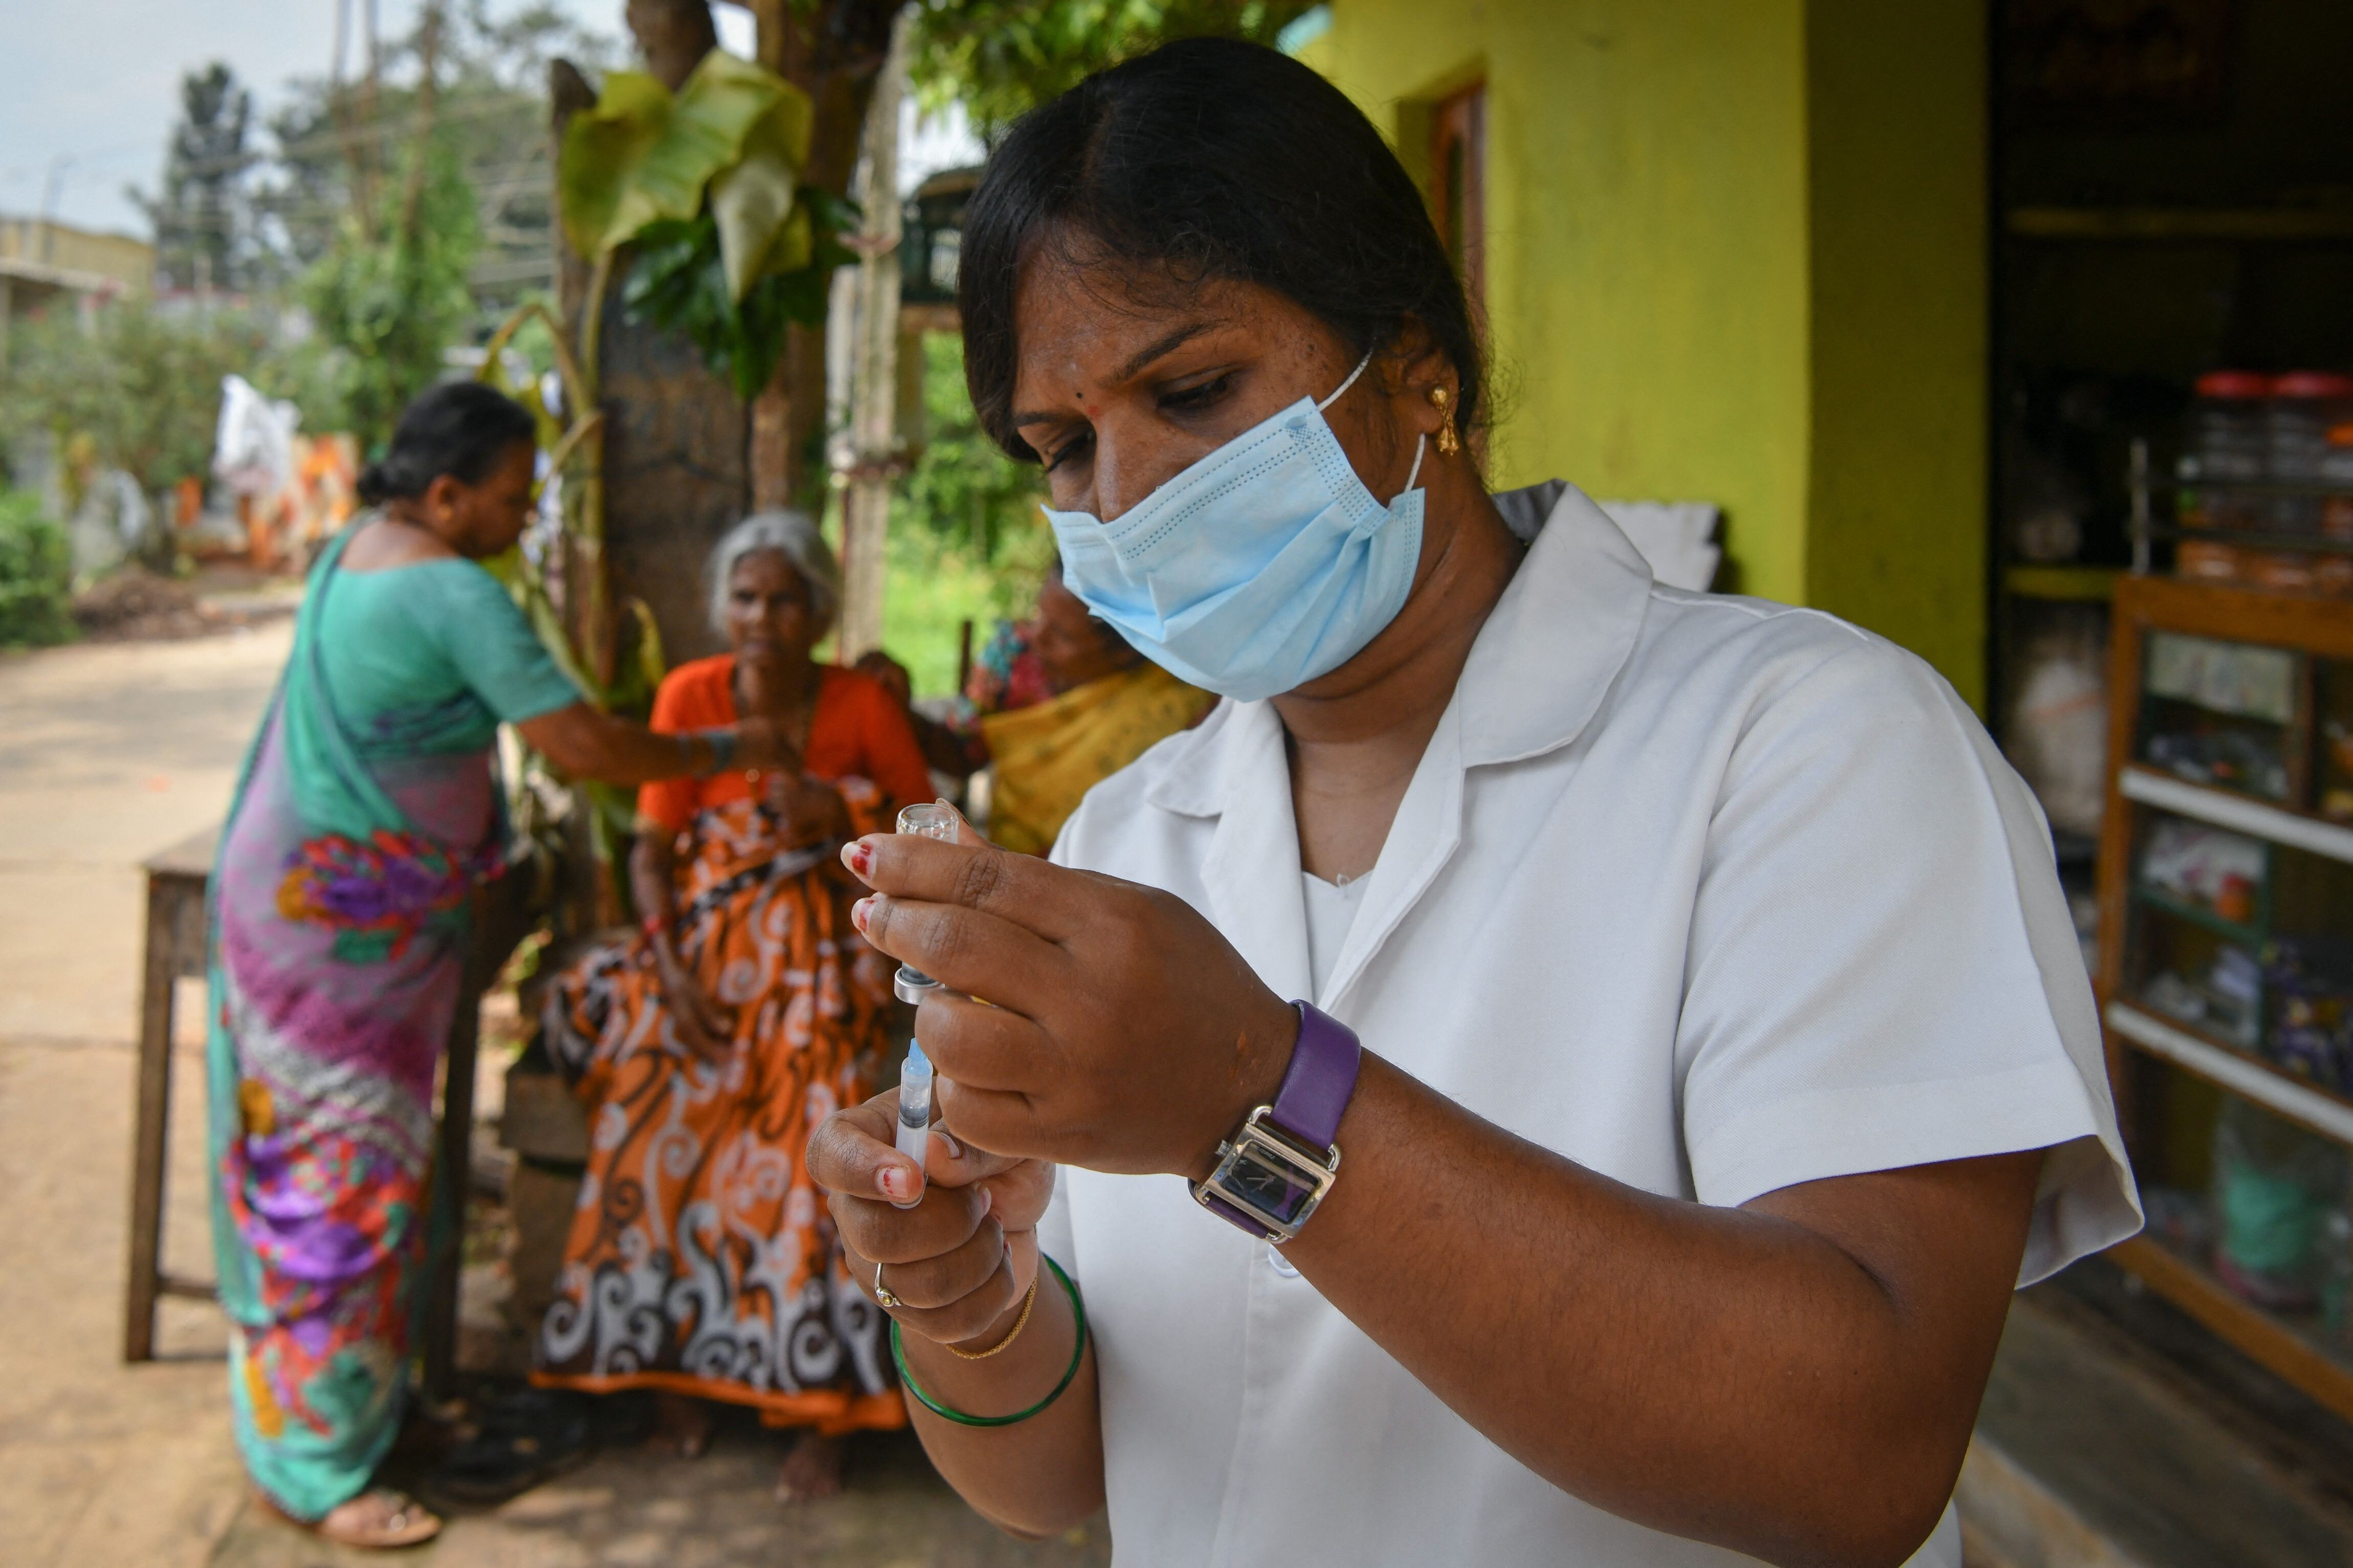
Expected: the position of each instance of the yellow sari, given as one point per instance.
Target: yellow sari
(1047, 755)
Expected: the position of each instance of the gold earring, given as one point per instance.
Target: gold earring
(1448, 443)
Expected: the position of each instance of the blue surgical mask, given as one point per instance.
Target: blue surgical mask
(1262, 566)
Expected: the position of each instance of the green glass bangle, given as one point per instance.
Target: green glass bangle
(1078, 1354)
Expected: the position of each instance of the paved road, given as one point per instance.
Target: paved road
(111, 754)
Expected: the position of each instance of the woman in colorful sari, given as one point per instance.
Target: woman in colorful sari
(367, 812)
(743, 1013)
(1063, 703)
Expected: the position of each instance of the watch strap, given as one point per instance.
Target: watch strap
(1254, 1223)
(1321, 1080)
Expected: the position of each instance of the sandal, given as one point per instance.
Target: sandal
(526, 1438)
(379, 1518)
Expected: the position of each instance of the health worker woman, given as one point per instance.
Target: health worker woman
(1554, 1068)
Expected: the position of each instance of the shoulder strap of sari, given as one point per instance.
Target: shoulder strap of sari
(333, 789)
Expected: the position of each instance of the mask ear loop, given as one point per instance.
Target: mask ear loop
(1347, 384)
(1420, 443)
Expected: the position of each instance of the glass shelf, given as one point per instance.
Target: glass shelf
(2242, 1072)
(2240, 813)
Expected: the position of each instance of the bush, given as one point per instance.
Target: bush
(36, 576)
(142, 388)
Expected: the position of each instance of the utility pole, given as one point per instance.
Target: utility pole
(874, 366)
(51, 190)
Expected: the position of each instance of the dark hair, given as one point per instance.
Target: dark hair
(1210, 158)
(460, 429)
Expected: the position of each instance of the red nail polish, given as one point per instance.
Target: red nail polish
(860, 855)
(857, 914)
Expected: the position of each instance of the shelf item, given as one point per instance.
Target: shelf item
(2242, 1073)
(2246, 681)
(2242, 814)
(2283, 537)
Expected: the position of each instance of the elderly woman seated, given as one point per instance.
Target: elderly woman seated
(744, 1012)
(1062, 703)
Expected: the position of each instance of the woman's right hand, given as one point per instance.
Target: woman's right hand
(961, 1261)
(703, 1026)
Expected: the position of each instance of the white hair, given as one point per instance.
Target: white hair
(791, 534)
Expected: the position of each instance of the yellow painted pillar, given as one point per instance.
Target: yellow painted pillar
(1896, 236)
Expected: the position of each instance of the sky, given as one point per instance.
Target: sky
(88, 90)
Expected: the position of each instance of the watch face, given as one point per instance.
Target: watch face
(1263, 1183)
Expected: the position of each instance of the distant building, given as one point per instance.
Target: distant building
(44, 264)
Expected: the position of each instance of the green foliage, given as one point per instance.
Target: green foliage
(36, 576)
(967, 540)
(679, 283)
(141, 392)
(333, 144)
(963, 488)
(734, 132)
(1002, 58)
(730, 249)
(386, 299)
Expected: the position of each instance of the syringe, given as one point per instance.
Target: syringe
(938, 821)
(916, 1113)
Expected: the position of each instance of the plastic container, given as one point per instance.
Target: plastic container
(2226, 443)
(2274, 1188)
(2303, 407)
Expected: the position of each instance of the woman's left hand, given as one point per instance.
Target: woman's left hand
(808, 810)
(1122, 1032)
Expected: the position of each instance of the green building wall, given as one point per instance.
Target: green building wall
(1736, 253)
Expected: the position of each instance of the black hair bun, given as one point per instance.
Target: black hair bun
(374, 486)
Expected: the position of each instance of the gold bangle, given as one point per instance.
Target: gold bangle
(1020, 1323)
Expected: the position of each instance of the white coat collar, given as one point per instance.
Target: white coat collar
(1536, 675)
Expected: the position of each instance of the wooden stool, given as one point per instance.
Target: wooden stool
(176, 880)
(176, 883)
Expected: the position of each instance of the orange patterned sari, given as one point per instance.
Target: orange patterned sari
(700, 1258)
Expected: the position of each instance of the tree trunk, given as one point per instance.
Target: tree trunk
(833, 52)
(676, 436)
(673, 36)
(874, 374)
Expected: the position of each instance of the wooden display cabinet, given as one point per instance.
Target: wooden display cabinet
(2227, 851)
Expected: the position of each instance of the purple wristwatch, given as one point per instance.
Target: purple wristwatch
(1280, 1162)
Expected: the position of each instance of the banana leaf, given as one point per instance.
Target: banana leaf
(734, 132)
(680, 284)
(603, 148)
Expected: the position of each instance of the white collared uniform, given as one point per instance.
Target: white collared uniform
(1711, 896)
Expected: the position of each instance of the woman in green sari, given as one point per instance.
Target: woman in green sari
(367, 812)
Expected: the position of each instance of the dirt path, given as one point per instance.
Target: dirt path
(112, 754)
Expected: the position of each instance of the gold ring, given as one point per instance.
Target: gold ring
(883, 1292)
